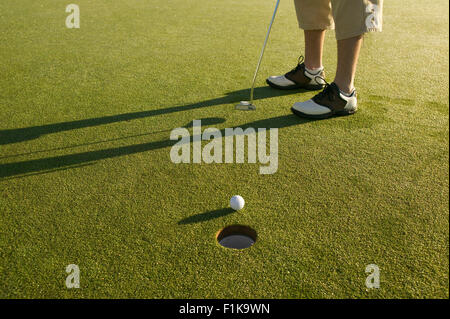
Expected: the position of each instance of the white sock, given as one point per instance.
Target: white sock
(347, 94)
(314, 71)
(344, 93)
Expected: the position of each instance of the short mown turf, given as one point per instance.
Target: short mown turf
(86, 176)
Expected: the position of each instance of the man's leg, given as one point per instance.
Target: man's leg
(348, 53)
(314, 40)
(314, 16)
(338, 98)
(352, 19)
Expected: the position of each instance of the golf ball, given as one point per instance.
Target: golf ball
(237, 202)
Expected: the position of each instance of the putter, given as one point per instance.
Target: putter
(248, 105)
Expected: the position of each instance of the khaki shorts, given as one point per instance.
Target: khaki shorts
(349, 18)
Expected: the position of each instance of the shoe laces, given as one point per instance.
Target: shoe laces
(300, 65)
(327, 92)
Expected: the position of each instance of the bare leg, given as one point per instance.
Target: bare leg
(314, 40)
(348, 53)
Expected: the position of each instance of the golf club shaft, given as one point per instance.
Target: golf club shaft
(262, 51)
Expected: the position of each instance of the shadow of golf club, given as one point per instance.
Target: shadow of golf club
(10, 136)
(203, 217)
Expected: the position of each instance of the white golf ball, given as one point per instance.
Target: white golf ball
(237, 202)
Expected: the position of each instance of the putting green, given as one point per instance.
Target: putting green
(86, 176)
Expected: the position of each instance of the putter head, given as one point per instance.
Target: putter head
(245, 106)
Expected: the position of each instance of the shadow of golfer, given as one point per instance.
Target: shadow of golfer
(29, 133)
(63, 161)
(205, 122)
(203, 217)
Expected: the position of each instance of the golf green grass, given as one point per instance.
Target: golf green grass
(86, 176)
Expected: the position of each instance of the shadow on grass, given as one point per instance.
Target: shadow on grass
(205, 122)
(203, 217)
(56, 162)
(29, 133)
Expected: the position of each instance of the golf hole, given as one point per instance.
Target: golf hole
(236, 237)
